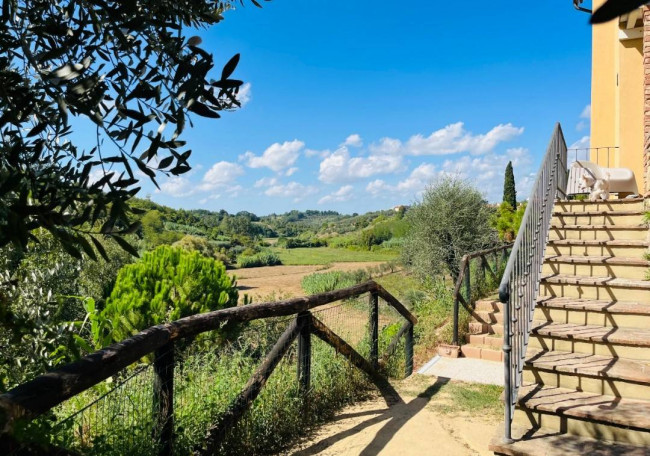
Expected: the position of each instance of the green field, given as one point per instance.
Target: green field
(325, 255)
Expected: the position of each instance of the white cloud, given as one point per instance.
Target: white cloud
(340, 167)
(266, 182)
(451, 139)
(293, 190)
(353, 140)
(291, 171)
(245, 94)
(221, 174)
(582, 143)
(342, 194)
(276, 157)
(586, 113)
(411, 186)
(177, 186)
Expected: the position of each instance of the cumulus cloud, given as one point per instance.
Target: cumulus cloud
(451, 139)
(586, 113)
(294, 190)
(291, 171)
(177, 186)
(266, 182)
(245, 94)
(221, 174)
(342, 194)
(582, 143)
(353, 140)
(276, 157)
(413, 185)
(338, 166)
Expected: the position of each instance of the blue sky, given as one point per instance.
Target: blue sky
(357, 105)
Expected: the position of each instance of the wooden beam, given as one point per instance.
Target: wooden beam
(392, 300)
(238, 407)
(632, 17)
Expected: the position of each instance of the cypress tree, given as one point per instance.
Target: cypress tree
(509, 192)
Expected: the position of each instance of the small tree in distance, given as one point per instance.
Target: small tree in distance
(509, 191)
(452, 220)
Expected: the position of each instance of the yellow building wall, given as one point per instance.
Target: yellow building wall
(617, 98)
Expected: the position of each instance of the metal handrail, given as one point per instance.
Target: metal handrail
(520, 284)
(595, 154)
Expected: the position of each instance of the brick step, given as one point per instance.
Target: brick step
(492, 305)
(593, 312)
(537, 442)
(584, 414)
(620, 267)
(587, 287)
(607, 375)
(482, 352)
(599, 232)
(628, 204)
(486, 340)
(608, 248)
(623, 217)
(631, 343)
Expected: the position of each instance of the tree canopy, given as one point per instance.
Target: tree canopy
(509, 190)
(125, 69)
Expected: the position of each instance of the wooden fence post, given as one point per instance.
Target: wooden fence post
(468, 285)
(163, 386)
(408, 349)
(374, 329)
(304, 353)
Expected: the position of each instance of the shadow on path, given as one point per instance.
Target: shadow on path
(394, 420)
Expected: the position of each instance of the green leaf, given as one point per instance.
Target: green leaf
(125, 245)
(229, 68)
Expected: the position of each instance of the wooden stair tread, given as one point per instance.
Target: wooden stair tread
(594, 305)
(565, 279)
(610, 201)
(624, 336)
(631, 413)
(639, 227)
(600, 242)
(606, 367)
(597, 260)
(539, 442)
(587, 213)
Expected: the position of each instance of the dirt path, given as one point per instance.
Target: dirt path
(412, 425)
(284, 281)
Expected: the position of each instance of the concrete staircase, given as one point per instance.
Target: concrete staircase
(586, 381)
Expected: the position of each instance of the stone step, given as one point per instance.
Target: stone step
(595, 288)
(593, 312)
(481, 352)
(609, 248)
(629, 204)
(584, 414)
(620, 267)
(612, 376)
(631, 343)
(538, 442)
(597, 218)
(599, 232)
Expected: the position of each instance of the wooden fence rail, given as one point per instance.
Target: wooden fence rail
(33, 398)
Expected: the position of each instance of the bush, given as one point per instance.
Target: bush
(507, 221)
(168, 283)
(452, 220)
(261, 259)
(322, 282)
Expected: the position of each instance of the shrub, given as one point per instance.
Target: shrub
(322, 282)
(265, 258)
(507, 221)
(452, 220)
(168, 283)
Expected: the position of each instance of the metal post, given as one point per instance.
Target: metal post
(163, 386)
(304, 353)
(408, 349)
(374, 330)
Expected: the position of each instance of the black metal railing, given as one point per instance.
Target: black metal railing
(147, 404)
(520, 285)
(499, 256)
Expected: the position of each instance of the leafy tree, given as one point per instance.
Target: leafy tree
(507, 221)
(164, 285)
(509, 191)
(451, 220)
(124, 69)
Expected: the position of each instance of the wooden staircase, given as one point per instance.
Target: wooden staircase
(586, 380)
